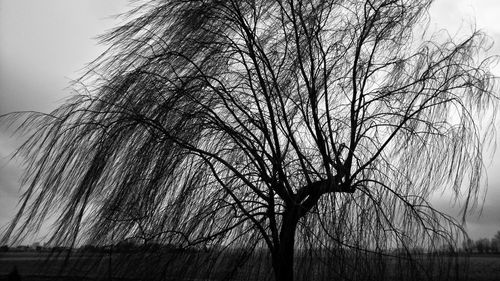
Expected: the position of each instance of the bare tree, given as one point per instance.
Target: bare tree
(314, 129)
(483, 245)
(495, 242)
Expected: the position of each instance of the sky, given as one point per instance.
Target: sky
(45, 44)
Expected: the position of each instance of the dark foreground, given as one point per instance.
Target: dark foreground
(34, 266)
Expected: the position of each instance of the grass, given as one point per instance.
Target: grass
(33, 266)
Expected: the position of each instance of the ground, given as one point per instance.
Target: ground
(33, 266)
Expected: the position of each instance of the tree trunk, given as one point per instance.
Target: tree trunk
(283, 254)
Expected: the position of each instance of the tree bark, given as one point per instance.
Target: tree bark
(283, 255)
(307, 198)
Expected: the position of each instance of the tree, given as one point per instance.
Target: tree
(310, 128)
(495, 243)
(483, 245)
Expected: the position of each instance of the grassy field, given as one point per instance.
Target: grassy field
(484, 268)
(33, 266)
(87, 266)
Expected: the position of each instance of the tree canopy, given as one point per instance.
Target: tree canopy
(314, 129)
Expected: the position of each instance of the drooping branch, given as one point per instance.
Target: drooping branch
(321, 125)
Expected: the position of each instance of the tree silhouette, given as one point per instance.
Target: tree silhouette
(314, 129)
(495, 243)
(483, 245)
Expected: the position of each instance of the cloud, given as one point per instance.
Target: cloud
(42, 42)
(10, 172)
(484, 220)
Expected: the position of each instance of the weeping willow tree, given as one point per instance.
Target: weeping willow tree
(311, 131)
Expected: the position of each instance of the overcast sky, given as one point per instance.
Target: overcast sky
(44, 44)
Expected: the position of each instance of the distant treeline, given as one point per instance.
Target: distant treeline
(484, 245)
(480, 246)
(123, 246)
